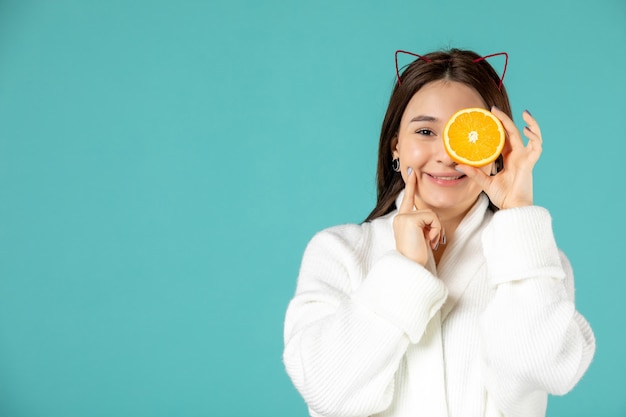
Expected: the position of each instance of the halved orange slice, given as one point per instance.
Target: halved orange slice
(473, 137)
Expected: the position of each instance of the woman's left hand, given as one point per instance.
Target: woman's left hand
(512, 186)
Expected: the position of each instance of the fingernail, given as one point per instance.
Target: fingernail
(444, 240)
(437, 246)
(409, 171)
(495, 107)
(456, 168)
(529, 113)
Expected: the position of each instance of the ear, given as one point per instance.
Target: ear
(400, 51)
(506, 63)
(394, 147)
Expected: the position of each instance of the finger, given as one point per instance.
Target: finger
(531, 121)
(532, 130)
(533, 133)
(417, 202)
(535, 141)
(435, 235)
(408, 200)
(483, 180)
(512, 134)
(429, 222)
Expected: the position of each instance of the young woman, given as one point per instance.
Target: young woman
(452, 298)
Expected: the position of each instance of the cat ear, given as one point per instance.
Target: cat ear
(399, 51)
(482, 58)
(506, 63)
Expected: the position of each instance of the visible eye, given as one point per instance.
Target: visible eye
(426, 132)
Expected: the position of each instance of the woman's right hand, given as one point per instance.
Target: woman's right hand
(415, 229)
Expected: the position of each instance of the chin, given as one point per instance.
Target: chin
(455, 204)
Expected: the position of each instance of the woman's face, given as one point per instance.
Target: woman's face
(420, 146)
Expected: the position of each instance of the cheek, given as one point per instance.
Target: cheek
(414, 151)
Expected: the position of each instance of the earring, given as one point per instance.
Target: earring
(395, 164)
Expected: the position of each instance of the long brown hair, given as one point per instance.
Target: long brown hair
(454, 65)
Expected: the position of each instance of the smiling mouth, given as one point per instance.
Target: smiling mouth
(451, 178)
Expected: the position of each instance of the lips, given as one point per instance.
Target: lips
(446, 177)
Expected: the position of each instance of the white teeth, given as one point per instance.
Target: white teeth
(448, 178)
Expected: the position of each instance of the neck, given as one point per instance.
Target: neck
(450, 220)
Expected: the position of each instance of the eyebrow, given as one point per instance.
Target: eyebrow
(423, 118)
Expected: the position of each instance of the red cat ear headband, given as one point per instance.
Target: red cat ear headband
(482, 58)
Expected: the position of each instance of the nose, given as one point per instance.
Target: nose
(441, 155)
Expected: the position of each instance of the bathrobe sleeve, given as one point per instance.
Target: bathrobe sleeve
(351, 321)
(534, 341)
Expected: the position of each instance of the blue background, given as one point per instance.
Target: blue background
(163, 164)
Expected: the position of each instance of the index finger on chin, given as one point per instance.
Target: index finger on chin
(408, 200)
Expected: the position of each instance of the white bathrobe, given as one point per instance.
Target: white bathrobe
(490, 331)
